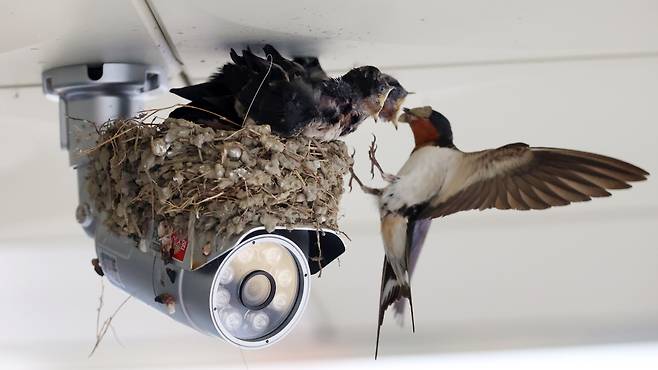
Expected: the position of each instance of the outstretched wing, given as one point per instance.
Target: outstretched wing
(517, 176)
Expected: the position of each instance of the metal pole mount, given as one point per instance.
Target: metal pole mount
(90, 95)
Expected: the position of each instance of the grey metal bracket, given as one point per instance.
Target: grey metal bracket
(90, 95)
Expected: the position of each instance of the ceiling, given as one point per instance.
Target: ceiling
(576, 74)
(416, 34)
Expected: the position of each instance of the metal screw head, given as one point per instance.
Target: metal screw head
(83, 215)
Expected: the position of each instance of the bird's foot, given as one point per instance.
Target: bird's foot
(374, 163)
(365, 189)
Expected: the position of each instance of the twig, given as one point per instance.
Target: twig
(100, 307)
(269, 68)
(344, 234)
(116, 336)
(110, 140)
(156, 110)
(244, 360)
(101, 330)
(319, 257)
(209, 198)
(84, 121)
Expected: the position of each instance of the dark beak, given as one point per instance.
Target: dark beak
(407, 116)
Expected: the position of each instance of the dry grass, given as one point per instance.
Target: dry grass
(206, 183)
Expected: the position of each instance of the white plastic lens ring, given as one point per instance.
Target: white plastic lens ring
(259, 291)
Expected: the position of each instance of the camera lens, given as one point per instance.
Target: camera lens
(260, 289)
(257, 290)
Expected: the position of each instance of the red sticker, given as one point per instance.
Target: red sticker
(180, 246)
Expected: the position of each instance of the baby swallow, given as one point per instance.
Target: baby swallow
(394, 101)
(392, 104)
(282, 93)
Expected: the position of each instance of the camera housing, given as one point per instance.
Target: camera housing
(250, 291)
(216, 298)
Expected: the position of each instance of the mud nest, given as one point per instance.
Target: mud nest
(179, 176)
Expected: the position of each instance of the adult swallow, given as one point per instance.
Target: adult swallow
(438, 180)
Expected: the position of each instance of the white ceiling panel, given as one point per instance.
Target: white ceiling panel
(410, 33)
(580, 75)
(37, 35)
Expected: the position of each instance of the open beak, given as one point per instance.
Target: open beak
(378, 104)
(406, 117)
(395, 118)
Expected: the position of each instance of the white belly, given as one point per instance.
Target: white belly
(420, 178)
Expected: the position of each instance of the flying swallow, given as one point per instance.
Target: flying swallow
(438, 180)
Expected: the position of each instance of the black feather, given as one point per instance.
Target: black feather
(312, 68)
(292, 69)
(284, 94)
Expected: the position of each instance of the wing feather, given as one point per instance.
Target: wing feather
(530, 195)
(520, 177)
(491, 195)
(501, 199)
(514, 197)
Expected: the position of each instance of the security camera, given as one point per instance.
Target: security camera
(250, 294)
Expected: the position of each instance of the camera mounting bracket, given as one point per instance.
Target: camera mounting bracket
(90, 95)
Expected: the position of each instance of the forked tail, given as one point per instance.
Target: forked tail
(392, 290)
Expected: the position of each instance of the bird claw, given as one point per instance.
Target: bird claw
(354, 177)
(374, 163)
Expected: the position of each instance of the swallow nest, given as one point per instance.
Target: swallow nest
(178, 173)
